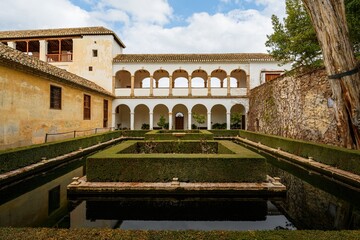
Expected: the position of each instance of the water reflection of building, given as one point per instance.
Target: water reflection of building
(40, 201)
(310, 207)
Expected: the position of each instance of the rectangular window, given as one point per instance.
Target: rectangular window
(90, 68)
(95, 52)
(271, 76)
(87, 107)
(55, 97)
(106, 113)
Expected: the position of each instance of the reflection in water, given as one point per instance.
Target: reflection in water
(315, 202)
(312, 202)
(39, 201)
(180, 214)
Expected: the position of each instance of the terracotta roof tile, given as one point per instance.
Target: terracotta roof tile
(212, 57)
(20, 61)
(59, 32)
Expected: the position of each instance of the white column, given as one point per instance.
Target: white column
(189, 120)
(209, 121)
(43, 50)
(170, 121)
(228, 115)
(113, 120)
(12, 44)
(151, 117)
(132, 121)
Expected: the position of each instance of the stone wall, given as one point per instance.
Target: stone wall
(295, 106)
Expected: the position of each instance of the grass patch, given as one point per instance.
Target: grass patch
(102, 234)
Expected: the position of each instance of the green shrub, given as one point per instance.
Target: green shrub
(179, 135)
(224, 133)
(120, 164)
(20, 157)
(342, 158)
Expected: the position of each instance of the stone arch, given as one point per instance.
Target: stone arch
(218, 117)
(199, 109)
(123, 79)
(180, 78)
(180, 108)
(199, 79)
(161, 78)
(238, 108)
(160, 110)
(141, 116)
(240, 78)
(122, 117)
(217, 78)
(140, 76)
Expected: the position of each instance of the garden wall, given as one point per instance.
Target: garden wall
(295, 106)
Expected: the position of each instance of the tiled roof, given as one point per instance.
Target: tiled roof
(212, 57)
(59, 32)
(20, 61)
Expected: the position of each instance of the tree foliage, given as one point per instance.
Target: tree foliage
(199, 118)
(294, 40)
(162, 122)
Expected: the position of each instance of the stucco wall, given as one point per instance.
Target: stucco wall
(294, 106)
(25, 114)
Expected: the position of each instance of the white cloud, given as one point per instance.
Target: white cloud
(236, 31)
(34, 14)
(142, 24)
(144, 11)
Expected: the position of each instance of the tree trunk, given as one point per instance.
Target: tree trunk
(329, 21)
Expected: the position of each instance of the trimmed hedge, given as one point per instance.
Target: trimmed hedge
(240, 166)
(224, 133)
(173, 147)
(179, 135)
(342, 158)
(20, 157)
(133, 133)
(101, 234)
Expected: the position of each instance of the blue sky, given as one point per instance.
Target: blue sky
(156, 26)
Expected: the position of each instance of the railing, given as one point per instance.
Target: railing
(50, 137)
(164, 92)
(63, 57)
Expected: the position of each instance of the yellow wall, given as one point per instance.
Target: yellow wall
(25, 114)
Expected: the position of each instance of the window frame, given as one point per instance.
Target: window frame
(55, 101)
(87, 107)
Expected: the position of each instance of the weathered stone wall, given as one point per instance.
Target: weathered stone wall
(25, 114)
(295, 106)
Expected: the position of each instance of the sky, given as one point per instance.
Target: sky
(156, 26)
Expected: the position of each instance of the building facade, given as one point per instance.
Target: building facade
(147, 87)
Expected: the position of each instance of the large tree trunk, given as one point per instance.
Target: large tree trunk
(328, 18)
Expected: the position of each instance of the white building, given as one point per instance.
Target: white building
(148, 86)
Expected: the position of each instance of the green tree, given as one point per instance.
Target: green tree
(162, 122)
(352, 8)
(199, 118)
(236, 120)
(295, 41)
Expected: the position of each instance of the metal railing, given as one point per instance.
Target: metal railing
(50, 137)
